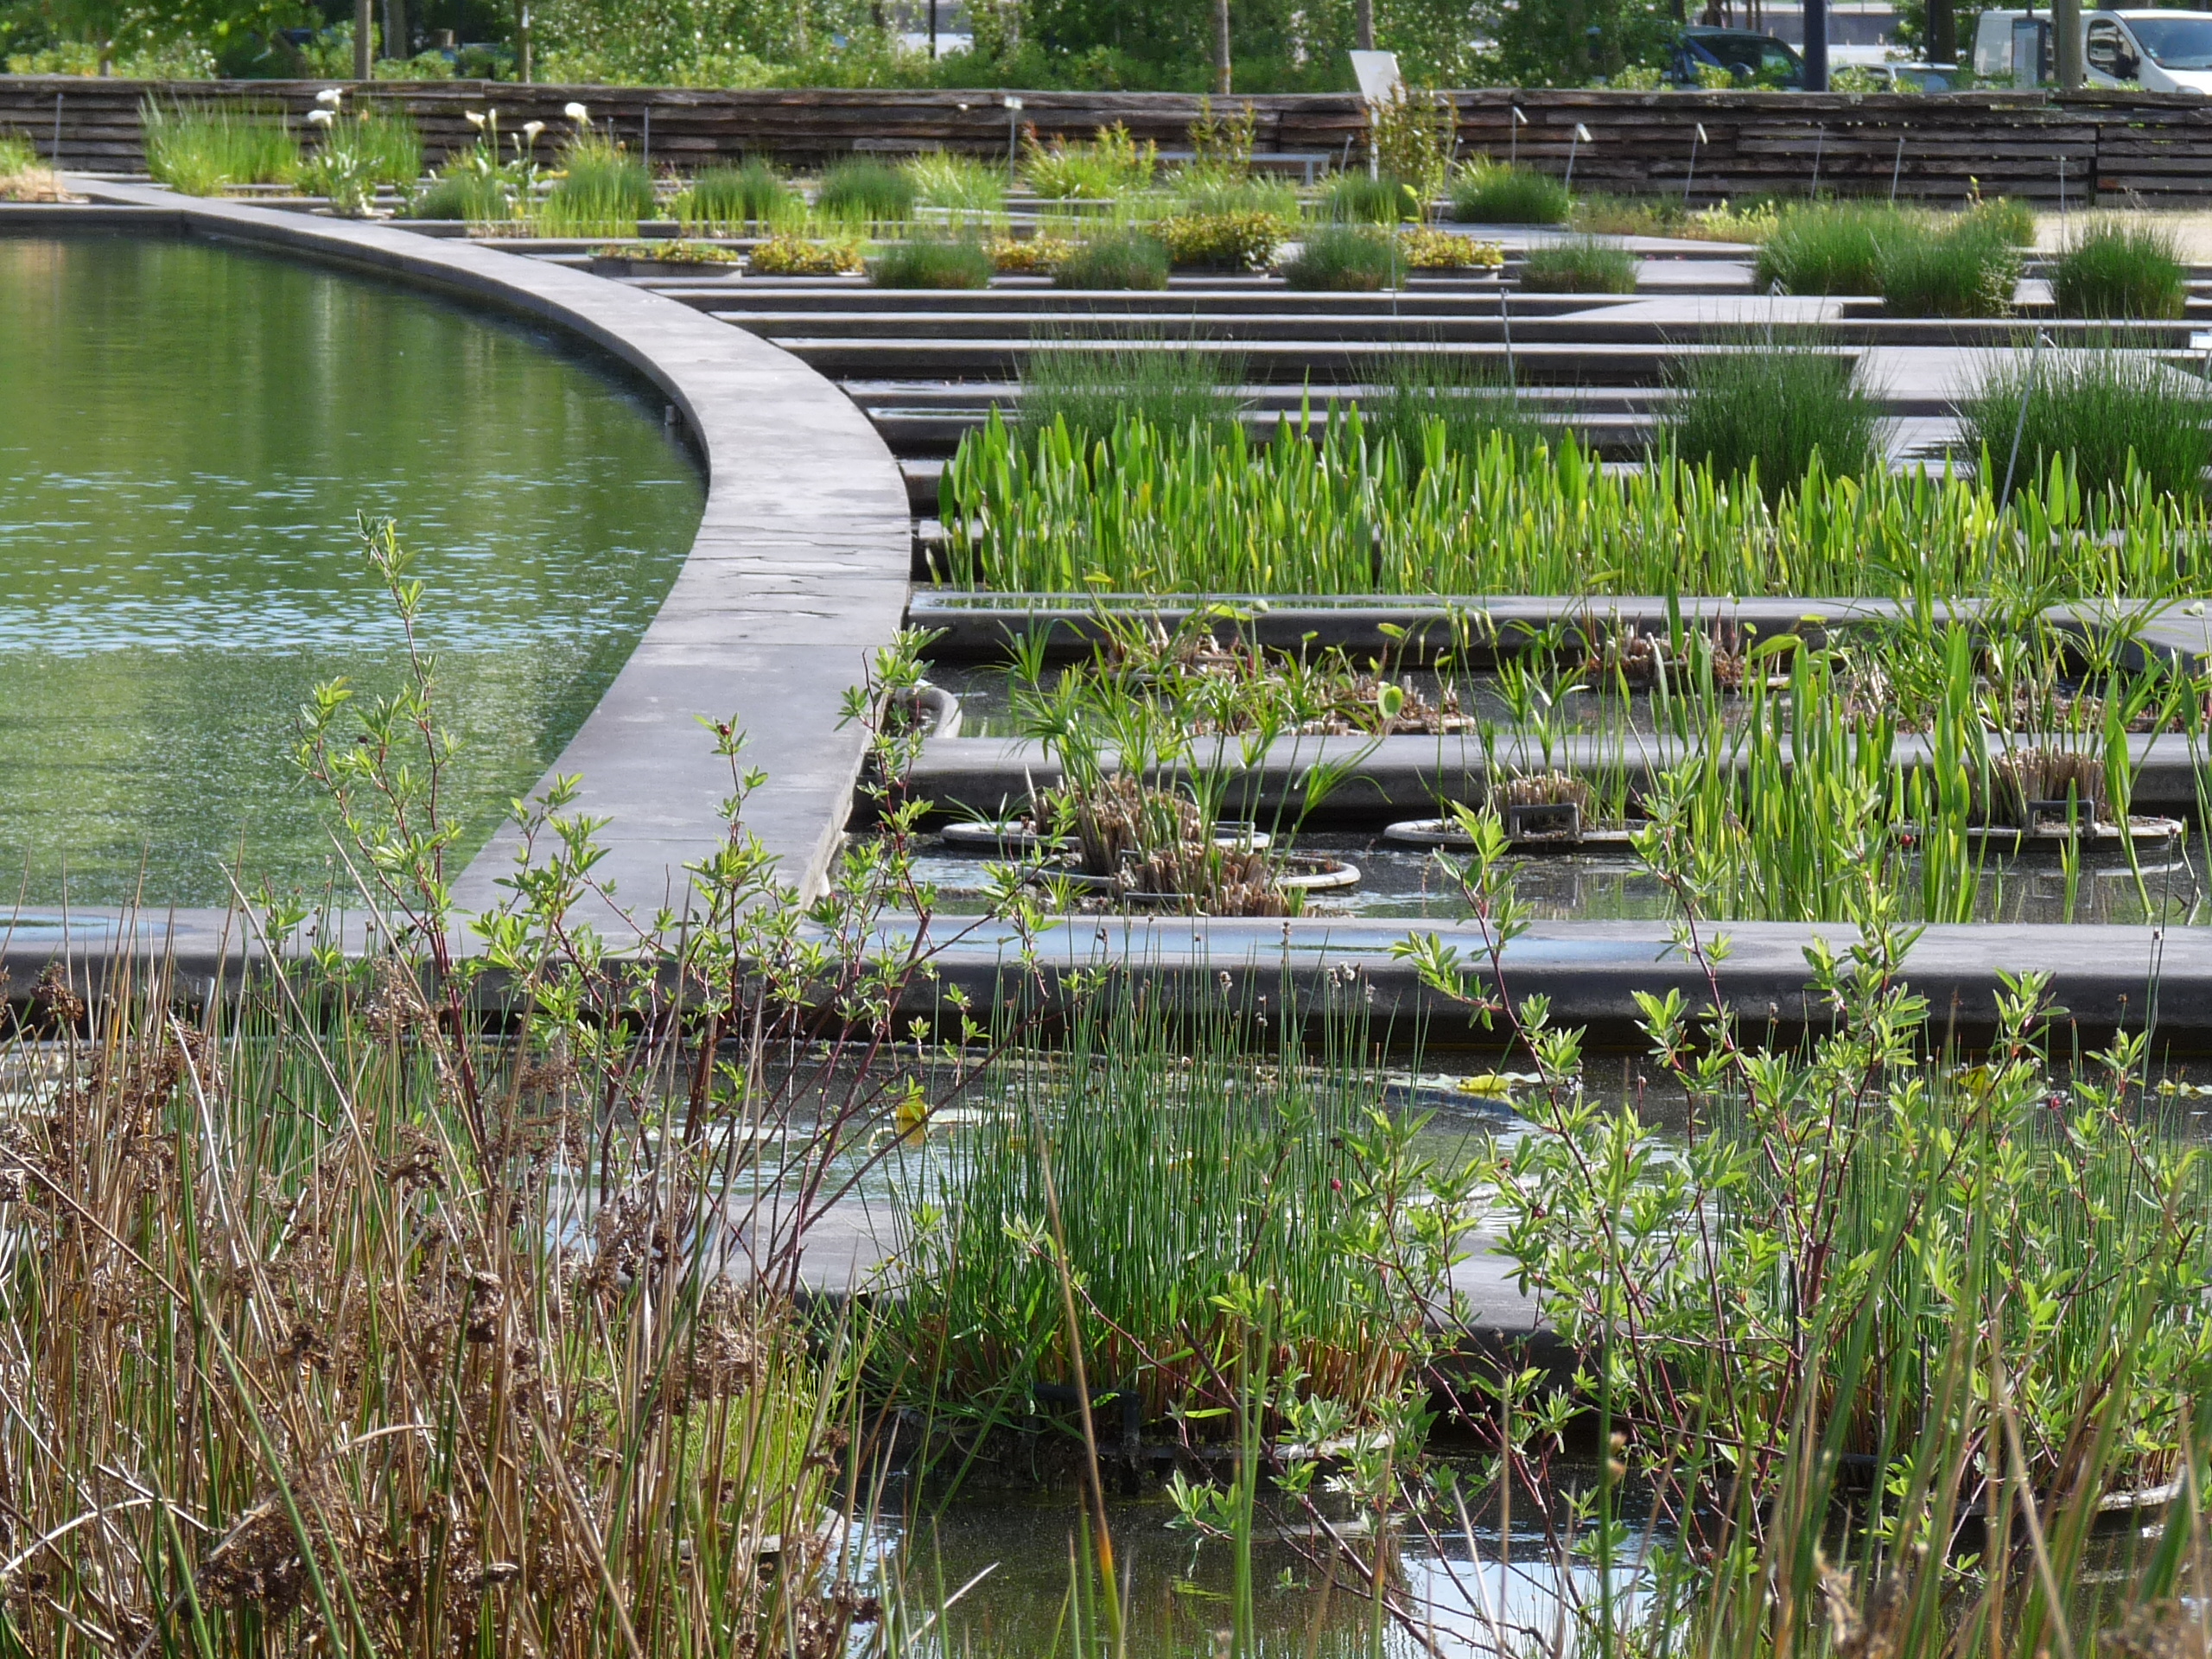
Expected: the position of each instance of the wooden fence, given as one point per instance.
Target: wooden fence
(2147, 147)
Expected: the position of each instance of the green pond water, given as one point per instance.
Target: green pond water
(186, 434)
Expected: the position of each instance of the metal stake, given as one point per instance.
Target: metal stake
(53, 160)
(646, 161)
(1513, 136)
(1897, 166)
(2035, 355)
(1697, 138)
(1581, 137)
(1819, 143)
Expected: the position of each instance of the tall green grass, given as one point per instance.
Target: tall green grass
(1429, 397)
(197, 150)
(2120, 268)
(1148, 508)
(752, 194)
(601, 190)
(1758, 405)
(1580, 265)
(1128, 258)
(1966, 270)
(926, 261)
(1489, 193)
(464, 193)
(1921, 265)
(961, 184)
(1827, 250)
(862, 191)
(2100, 412)
(1356, 199)
(1344, 259)
(1087, 388)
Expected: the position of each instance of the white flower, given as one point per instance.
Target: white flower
(576, 112)
(320, 118)
(531, 129)
(475, 118)
(330, 97)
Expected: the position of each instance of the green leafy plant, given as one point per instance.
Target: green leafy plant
(1581, 264)
(785, 255)
(1111, 165)
(1485, 192)
(1243, 240)
(1222, 145)
(1412, 135)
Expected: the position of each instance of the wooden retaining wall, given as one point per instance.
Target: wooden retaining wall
(2149, 147)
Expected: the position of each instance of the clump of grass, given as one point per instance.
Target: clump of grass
(751, 194)
(1962, 271)
(1091, 386)
(197, 149)
(1204, 197)
(388, 142)
(1115, 259)
(1356, 199)
(1344, 259)
(464, 193)
(924, 262)
(1581, 264)
(1426, 399)
(2097, 412)
(1827, 250)
(960, 183)
(23, 177)
(863, 192)
(1491, 193)
(2120, 268)
(1755, 405)
(2010, 220)
(1109, 166)
(602, 191)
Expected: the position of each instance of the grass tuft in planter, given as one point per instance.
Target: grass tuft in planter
(1757, 404)
(2119, 268)
(1967, 271)
(1344, 259)
(1828, 250)
(1115, 259)
(467, 194)
(1091, 386)
(1487, 192)
(960, 184)
(2102, 411)
(750, 195)
(1426, 398)
(931, 263)
(865, 193)
(1354, 199)
(197, 150)
(603, 191)
(1581, 264)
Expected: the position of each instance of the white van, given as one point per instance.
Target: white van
(2146, 51)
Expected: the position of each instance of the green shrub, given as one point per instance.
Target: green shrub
(467, 194)
(958, 182)
(748, 195)
(1828, 250)
(1234, 241)
(1354, 199)
(2099, 409)
(1492, 193)
(930, 264)
(1423, 394)
(602, 191)
(1757, 404)
(862, 191)
(1344, 259)
(786, 255)
(1964, 272)
(1581, 264)
(1097, 171)
(197, 149)
(2118, 269)
(1115, 259)
(1090, 386)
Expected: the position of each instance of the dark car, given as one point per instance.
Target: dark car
(1749, 58)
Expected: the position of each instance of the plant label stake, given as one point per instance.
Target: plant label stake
(2061, 199)
(1897, 166)
(1581, 137)
(646, 160)
(2019, 426)
(1697, 137)
(1819, 143)
(1013, 128)
(1512, 134)
(1506, 322)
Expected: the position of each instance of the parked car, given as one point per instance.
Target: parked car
(2151, 51)
(1753, 58)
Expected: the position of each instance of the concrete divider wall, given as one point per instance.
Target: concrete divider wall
(2146, 146)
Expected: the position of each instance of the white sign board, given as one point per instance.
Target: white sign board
(1378, 74)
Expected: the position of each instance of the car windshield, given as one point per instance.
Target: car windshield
(1750, 53)
(2175, 43)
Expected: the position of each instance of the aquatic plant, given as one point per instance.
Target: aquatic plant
(196, 150)
(927, 261)
(1356, 199)
(961, 184)
(1108, 166)
(1490, 192)
(2104, 414)
(1834, 248)
(861, 192)
(1581, 264)
(2120, 268)
(599, 189)
(23, 176)
(1088, 387)
(1463, 400)
(1765, 405)
(1124, 260)
(1966, 270)
(1344, 259)
(733, 197)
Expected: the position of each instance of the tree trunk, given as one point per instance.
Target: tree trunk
(394, 29)
(1942, 41)
(523, 69)
(2066, 29)
(1221, 64)
(1362, 24)
(364, 29)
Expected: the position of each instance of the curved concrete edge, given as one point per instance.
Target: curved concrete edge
(797, 573)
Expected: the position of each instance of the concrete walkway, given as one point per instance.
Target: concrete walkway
(799, 570)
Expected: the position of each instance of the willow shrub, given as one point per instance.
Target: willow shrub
(1143, 507)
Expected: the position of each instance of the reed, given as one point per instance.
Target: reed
(1828, 250)
(734, 197)
(1486, 192)
(197, 150)
(1966, 270)
(2120, 268)
(1344, 259)
(1115, 259)
(1763, 408)
(1356, 199)
(599, 190)
(1088, 387)
(959, 184)
(1580, 265)
(2104, 414)
(863, 193)
(468, 194)
(924, 262)
(1464, 403)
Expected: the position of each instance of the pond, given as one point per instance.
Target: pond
(187, 435)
